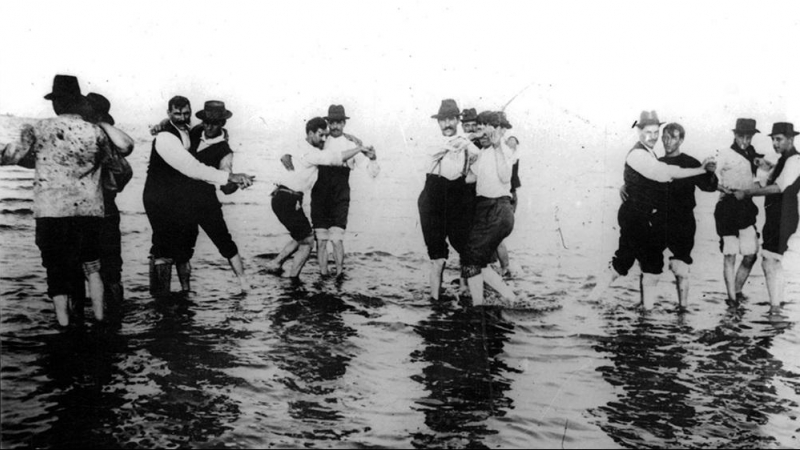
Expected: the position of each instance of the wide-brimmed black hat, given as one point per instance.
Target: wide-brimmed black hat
(336, 113)
(469, 115)
(784, 128)
(100, 105)
(64, 86)
(214, 111)
(448, 108)
(745, 126)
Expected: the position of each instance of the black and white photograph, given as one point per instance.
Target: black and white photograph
(399, 224)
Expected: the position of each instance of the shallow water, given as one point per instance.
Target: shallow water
(368, 361)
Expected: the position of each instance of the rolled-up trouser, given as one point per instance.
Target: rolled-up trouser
(493, 221)
(208, 215)
(446, 210)
(66, 244)
(642, 238)
(288, 207)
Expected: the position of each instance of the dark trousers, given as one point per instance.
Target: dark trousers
(446, 209)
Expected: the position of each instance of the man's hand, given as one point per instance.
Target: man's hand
(286, 160)
(725, 189)
(159, 127)
(353, 139)
(740, 195)
(710, 165)
(242, 179)
(369, 152)
(763, 164)
(512, 143)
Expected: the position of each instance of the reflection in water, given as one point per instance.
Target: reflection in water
(464, 376)
(684, 388)
(314, 348)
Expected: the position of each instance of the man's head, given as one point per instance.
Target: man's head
(317, 132)
(179, 111)
(648, 128)
(469, 120)
(214, 116)
(336, 119)
(673, 138)
(66, 96)
(448, 117)
(744, 131)
(100, 107)
(783, 137)
(491, 124)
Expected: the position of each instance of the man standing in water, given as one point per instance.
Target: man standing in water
(287, 199)
(780, 207)
(67, 195)
(736, 219)
(445, 203)
(643, 215)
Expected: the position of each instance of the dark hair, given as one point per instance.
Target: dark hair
(177, 102)
(315, 124)
(670, 128)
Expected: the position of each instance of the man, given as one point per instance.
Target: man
(642, 216)
(469, 121)
(287, 199)
(330, 197)
(446, 202)
(736, 219)
(110, 238)
(67, 195)
(511, 142)
(780, 208)
(493, 219)
(170, 182)
(681, 225)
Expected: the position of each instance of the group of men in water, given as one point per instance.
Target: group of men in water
(467, 202)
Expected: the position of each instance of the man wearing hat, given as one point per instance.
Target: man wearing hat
(469, 121)
(67, 195)
(512, 142)
(643, 215)
(780, 208)
(287, 199)
(171, 183)
(735, 219)
(110, 238)
(446, 202)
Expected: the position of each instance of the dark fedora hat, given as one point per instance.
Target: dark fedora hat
(64, 86)
(469, 115)
(745, 126)
(336, 113)
(448, 108)
(214, 110)
(784, 128)
(100, 105)
(647, 118)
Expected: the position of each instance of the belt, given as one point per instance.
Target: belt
(282, 188)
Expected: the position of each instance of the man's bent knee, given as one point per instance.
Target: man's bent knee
(336, 234)
(322, 234)
(679, 268)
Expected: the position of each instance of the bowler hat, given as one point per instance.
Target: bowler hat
(784, 128)
(100, 105)
(448, 108)
(64, 86)
(745, 126)
(469, 115)
(647, 118)
(336, 113)
(213, 111)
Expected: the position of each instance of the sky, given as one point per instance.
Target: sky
(594, 65)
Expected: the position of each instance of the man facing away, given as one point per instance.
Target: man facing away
(67, 195)
(642, 216)
(780, 208)
(287, 199)
(171, 175)
(736, 219)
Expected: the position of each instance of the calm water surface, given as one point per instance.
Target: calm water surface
(368, 361)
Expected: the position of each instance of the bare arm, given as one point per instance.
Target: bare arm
(19, 153)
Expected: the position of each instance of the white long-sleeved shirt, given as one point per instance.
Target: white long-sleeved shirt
(645, 161)
(174, 153)
(447, 157)
(493, 171)
(342, 144)
(733, 171)
(305, 160)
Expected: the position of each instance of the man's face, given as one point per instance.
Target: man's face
(212, 129)
(469, 127)
(743, 140)
(336, 128)
(672, 142)
(449, 126)
(782, 143)
(180, 116)
(649, 135)
(318, 137)
(486, 137)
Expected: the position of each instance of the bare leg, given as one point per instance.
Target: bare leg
(773, 272)
(437, 269)
(495, 281)
(681, 271)
(648, 284)
(476, 289)
(322, 256)
(238, 269)
(160, 275)
(96, 293)
(502, 256)
(61, 305)
(338, 255)
(184, 275)
(603, 282)
(300, 258)
(286, 253)
(748, 261)
(728, 272)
